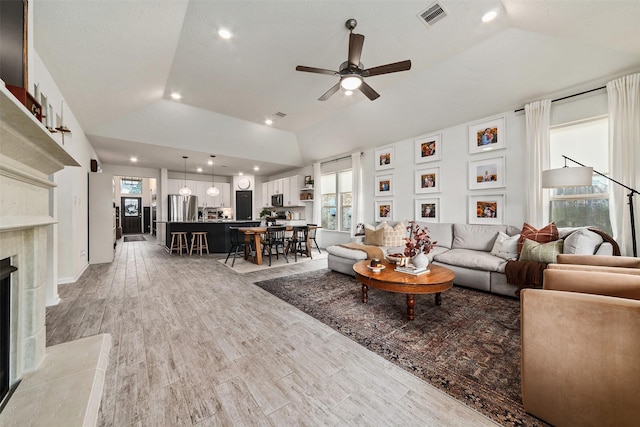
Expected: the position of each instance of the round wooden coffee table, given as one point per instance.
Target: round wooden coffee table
(436, 281)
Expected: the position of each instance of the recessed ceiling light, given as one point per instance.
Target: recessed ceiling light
(489, 16)
(240, 173)
(268, 122)
(134, 159)
(224, 33)
(199, 169)
(256, 168)
(210, 162)
(176, 95)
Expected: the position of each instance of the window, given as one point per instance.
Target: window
(587, 143)
(336, 200)
(130, 186)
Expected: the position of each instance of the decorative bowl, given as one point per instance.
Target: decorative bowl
(395, 257)
(377, 269)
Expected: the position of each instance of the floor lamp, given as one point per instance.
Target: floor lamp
(582, 176)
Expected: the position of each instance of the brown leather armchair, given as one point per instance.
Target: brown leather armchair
(581, 348)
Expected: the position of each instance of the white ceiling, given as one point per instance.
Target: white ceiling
(116, 62)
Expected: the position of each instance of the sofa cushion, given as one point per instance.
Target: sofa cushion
(477, 237)
(583, 242)
(373, 237)
(394, 236)
(347, 253)
(541, 252)
(471, 259)
(505, 246)
(441, 232)
(546, 234)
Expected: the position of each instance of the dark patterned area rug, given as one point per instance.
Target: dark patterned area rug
(469, 347)
(134, 239)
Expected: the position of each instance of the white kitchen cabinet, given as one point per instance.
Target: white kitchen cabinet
(291, 191)
(277, 186)
(223, 200)
(266, 196)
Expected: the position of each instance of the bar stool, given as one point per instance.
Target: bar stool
(178, 242)
(199, 242)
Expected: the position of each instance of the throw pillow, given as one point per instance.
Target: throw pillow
(548, 233)
(582, 241)
(394, 236)
(506, 246)
(373, 237)
(541, 252)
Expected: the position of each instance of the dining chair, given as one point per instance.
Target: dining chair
(274, 238)
(298, 242)
(238, 244)
(312, 235)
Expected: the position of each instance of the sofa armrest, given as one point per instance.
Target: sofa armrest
(605, 260)
(592, 282)
(604, 269)
(579, 360)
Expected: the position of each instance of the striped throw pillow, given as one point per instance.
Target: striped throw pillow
(394, 236)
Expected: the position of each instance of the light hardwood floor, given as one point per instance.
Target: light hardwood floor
(195, 343)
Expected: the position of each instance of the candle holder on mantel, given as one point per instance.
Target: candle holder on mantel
(62, 128)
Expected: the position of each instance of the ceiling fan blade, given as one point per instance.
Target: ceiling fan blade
(316, 70)
(355, 48)
(389, 68)
(368, 91)
(330, 92)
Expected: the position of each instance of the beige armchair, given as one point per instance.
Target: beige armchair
(581, 348)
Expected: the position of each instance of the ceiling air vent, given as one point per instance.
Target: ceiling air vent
(432, 14)
(279, 114)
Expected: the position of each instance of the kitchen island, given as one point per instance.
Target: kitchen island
(218, 233)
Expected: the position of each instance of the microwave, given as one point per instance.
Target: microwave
(276, 201)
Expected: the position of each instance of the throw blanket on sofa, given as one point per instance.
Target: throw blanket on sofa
(371, 251)
(524, 274)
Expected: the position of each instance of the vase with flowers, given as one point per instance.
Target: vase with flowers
(418, 244)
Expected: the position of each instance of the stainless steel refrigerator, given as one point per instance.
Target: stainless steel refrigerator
(183, 208)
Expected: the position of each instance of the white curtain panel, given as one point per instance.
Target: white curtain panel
(317, 194)
(624, 143)
(537, 115)
(356, 190)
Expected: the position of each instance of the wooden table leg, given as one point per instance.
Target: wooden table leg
(257, 247)
(411, 302)
(438, 298)
(365, 297)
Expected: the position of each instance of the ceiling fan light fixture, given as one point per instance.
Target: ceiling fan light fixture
(351, 82)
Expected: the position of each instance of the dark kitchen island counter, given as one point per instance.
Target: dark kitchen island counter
(218, 234)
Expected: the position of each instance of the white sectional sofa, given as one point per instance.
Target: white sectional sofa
(466, 249)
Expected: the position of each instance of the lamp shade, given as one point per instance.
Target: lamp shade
(184, 191)
(567, 177)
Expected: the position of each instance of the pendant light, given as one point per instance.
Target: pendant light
(185, 191)
(212, 191)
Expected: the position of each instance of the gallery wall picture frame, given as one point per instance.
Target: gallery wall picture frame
(487, 135)
(487, 173)
(385, 158)
(428, 180)
(487, 209)
(428, 148)
(427, 210)
(384, 185)
(384, 210)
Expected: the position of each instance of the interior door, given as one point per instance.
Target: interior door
(131, 214)
(244, 206)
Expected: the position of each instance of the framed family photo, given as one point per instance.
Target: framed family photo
(384, 210)
(486, 209)
(428, 181)
(487, 173)
(427, 210)
(487, 135)
(384, 185)
(385, 158)
(428, 148)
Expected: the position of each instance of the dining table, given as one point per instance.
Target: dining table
(256, 233)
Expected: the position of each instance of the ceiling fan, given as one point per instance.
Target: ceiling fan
(352, 72)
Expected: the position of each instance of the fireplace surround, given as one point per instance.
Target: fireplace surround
(29, 156)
